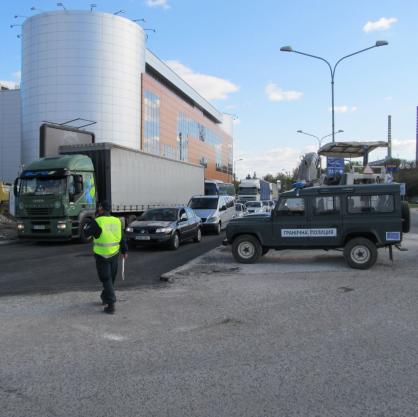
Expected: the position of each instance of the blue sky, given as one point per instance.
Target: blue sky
(229, 50)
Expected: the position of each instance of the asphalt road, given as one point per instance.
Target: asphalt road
(29, 268)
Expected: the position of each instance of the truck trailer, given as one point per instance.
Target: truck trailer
(57, 195)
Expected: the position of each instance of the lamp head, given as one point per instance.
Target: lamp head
(286, 49)
(381, 43)
(340, 131)
(299, 131)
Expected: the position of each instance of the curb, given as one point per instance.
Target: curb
(170, 275)
(8, 242)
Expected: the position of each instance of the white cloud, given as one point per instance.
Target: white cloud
(158, 3)
(343, 109)
(388, 98)
(209, 86)
(382, 24)
(275, 93)
(271, 161)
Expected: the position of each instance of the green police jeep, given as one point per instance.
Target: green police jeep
(358, 218)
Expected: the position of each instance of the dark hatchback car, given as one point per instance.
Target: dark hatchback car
(165, 226)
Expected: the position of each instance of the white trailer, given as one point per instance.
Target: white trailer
(133, 181)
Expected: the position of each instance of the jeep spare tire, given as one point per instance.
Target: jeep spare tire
(246, 249)
(360, 253)
(406, 217)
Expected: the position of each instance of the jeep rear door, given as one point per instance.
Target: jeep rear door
(325, 220)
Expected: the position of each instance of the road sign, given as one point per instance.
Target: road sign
(335, 166)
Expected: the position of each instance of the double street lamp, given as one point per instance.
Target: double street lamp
(319, 142)
(332, 70)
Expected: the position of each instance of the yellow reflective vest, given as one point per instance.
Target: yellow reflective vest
(108, 244)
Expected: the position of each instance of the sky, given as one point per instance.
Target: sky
(230, 52)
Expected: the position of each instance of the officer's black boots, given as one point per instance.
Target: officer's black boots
(109, 309)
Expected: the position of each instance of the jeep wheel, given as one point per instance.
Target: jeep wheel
(174, 242)
(246, 249)
(406, 217)
(360, 253)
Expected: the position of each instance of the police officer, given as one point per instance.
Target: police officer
(108, 241)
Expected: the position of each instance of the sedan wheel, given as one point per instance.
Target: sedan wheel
(198, 236)
(174, 242)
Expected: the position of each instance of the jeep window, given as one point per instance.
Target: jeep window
(382, 203)
(291, 207)
(370, 204)
(326, 205)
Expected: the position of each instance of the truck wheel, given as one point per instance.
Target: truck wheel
(198, 236)
(246, 249)
(218, 229)
(360, 253)
(82, 237)
(406, 217)
(174, 242)
(264, 251)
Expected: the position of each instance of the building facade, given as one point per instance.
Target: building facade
(94, 66)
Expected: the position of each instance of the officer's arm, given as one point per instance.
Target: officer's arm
(123, 243)
(92, 229)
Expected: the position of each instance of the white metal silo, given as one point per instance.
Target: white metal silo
(82, 64)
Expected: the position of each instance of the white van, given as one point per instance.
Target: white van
(215, 211)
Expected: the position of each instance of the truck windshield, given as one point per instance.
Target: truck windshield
(166, 215)
(248, 190)
(42, 186)
(254, 204)
(203, 203)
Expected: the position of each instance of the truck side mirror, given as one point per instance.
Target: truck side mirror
(78, 187)
(15, 187)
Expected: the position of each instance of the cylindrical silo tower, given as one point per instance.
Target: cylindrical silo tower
(82, 64)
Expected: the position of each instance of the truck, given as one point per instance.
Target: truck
(357, 219)
(57, 195)
(254, 190)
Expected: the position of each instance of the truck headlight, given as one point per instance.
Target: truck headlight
(57, 204)
(21, 206)
(61, 224)
(164, 230)
(213, 219)
(20, 226)
(129, 229)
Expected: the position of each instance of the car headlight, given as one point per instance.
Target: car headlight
(20, 226)
(164, 230)
(213, 219)
(129, 229)
(61, 224)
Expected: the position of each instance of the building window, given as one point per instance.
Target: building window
(151, 143)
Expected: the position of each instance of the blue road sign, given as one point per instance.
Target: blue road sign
(335, 166)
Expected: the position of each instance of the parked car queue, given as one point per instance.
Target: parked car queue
(169, 227)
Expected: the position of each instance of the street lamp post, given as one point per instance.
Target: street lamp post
(234, 167)
(332, 70)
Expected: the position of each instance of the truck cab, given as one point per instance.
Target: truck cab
(55, 197)
(360, 219)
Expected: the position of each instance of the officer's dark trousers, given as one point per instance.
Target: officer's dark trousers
(107, 269)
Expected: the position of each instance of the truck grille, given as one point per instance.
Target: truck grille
(39, 211)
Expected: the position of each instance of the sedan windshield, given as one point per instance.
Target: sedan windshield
(203, 203)
(42, 186)
(166, 215)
